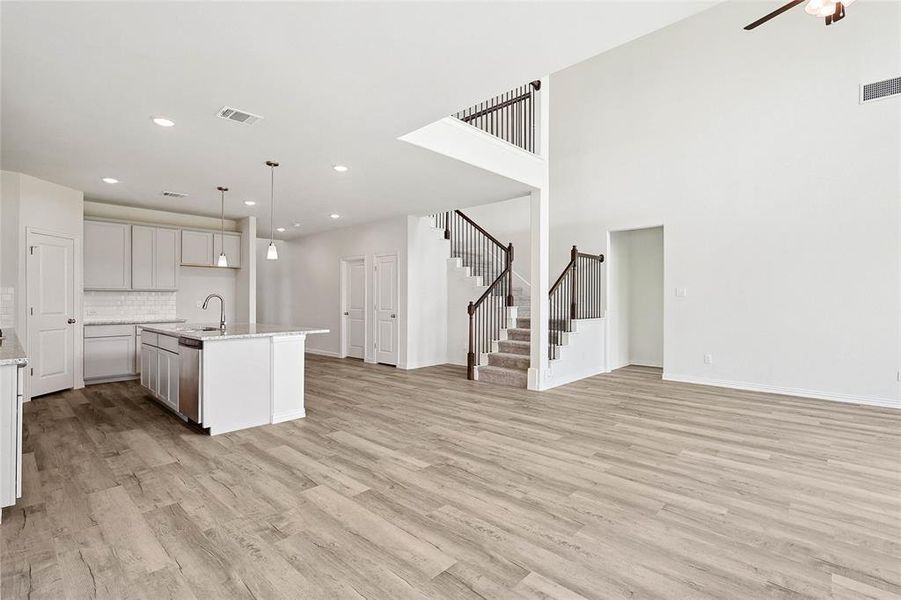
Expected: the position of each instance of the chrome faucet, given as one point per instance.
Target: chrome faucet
(221, 309)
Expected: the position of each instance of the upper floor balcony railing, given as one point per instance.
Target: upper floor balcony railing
(512, 116)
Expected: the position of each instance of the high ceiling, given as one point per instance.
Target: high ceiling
(336, 83)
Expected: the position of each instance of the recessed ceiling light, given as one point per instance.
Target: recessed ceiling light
(340, 168)
(109, 180)
(335, 216)
(297, 224)
(164, 122)
(249, 202)
(280, 229)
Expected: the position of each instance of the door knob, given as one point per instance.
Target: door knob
(393, 316)
(346, 313)
(71, 321)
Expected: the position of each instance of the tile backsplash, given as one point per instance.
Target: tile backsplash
(7, 307)
(128, 305)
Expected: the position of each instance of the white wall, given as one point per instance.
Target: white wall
(195, 283)
(779, 193)
(29, 203)
(635, 292)
(509, 222)
(274, 283)
(427, 294)
(312, 266)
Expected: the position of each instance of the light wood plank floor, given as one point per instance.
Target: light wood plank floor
(423, 485)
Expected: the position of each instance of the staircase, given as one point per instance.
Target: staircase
(500, 334)
(509, 364)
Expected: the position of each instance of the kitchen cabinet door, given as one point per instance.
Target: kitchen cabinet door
(150, 368)
(232, 248)
(165, 259)
(107, 256)
(143, 243)
(107, 357)
(197, 248)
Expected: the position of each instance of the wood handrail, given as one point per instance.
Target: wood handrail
(480, 229)
(476, 303)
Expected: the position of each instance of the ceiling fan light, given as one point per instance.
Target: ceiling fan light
(272, 252)
(814, 6)
(827, 9)
(222, 261)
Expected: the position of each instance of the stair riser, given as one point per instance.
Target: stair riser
(509, 362)
(508, 378)
(523, 323)
(513, 348)
(520, 335)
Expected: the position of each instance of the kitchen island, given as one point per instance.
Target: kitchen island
(12, 364)
(242, 376)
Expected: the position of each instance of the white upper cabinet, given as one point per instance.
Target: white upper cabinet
(166, 259)
(107, 256)
(232, 248)
(154, 253)
(197, 248)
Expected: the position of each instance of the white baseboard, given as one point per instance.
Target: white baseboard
(420, 365)
(784, 391)
(289, 416)
(322, 352)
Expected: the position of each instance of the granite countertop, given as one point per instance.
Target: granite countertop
(127, 321)
(11, 351)
(195, 331)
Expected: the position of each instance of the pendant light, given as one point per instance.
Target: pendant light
(222, 261)
(272, 251)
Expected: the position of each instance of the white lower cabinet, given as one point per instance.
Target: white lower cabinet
(109, 352)
(159, 368)
(11, 390)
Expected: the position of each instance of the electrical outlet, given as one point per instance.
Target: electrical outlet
(681, 292)
(199, 304)
(708, 359)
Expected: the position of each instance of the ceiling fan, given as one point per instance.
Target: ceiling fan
(831, 10)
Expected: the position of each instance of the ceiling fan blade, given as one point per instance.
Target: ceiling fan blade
(773, 14)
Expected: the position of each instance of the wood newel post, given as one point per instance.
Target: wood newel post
(510, 299)
(447, 225)
(573, 257)
(471, 355)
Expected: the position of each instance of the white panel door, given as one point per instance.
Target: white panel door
(355, 308)
(50, 274)
(386, 309)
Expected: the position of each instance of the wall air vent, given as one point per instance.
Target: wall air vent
(879, 90)
(169, 194)
(238, 116)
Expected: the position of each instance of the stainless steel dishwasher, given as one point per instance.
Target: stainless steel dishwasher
(189, 355)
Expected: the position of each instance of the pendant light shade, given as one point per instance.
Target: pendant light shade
(271, 252)
(222, 261)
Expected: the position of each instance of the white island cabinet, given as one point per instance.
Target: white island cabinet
(245, 376)
(12, 363)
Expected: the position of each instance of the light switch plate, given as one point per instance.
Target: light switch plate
(708, 359)
(681, 292)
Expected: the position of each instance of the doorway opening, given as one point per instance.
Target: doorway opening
(353, 308)
(635, 303)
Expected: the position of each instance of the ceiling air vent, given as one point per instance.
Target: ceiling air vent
(169, 194)
(880, 89)
(238, 116)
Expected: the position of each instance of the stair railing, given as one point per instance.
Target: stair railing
(491, 260)
(510, 116)
(577, 294)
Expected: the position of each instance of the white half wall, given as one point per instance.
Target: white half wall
(778, 191)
